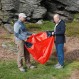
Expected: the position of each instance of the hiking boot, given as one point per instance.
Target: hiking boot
(22, 69)
(31, 66)
(59, 66)
(56, 65)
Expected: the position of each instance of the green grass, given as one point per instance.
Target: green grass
(9, 70)
(72, 29)
(46, 26)
(76, 15)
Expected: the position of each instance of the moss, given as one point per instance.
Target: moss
(47, 25)
(72, 29)
(76, 15)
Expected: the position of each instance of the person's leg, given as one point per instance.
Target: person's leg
(60, 54)
(56, 46)
(20, 46)
(27, 57)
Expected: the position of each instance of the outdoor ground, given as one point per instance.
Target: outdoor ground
(8, 55)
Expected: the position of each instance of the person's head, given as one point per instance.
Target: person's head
(56, 18)
(22, 17)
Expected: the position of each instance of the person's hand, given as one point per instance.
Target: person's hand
(33, 34)
(52, 33)
(25, 40)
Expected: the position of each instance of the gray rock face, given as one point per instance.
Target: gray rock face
(10, 8)
(71, 5)
(37, 9)
(9, 5)
(39, 12)
(32, 7)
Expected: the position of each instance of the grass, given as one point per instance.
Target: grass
(46, 26)
(72, 29)
(76, 15)
(7, 36)
(9, 70)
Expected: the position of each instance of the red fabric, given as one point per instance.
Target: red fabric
(42, 47)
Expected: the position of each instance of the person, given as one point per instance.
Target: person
(59, 33)
(21, 34)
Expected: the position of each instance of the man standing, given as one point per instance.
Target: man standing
(59, 33)
(21, 35)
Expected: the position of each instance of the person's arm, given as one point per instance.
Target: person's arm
(25, 31)
(20, 36)
(29, 33)
(16, 32)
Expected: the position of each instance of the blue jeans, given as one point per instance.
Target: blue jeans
(60, 53)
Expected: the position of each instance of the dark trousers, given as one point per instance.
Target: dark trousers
(60, 53)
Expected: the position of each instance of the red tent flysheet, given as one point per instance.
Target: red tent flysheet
(41, 47)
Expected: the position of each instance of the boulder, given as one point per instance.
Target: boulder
(9, 28)
(39, 12)
(39, 22)
(71, 5)
(37, 9)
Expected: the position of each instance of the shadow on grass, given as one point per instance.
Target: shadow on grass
(69, 58)
(72, 56)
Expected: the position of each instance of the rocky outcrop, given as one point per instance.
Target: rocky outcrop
(37, 9)
(71, 5)
(60, 7)
(10, 8)
(9, 28)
